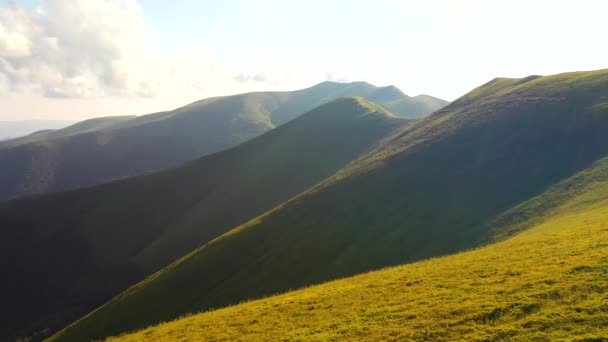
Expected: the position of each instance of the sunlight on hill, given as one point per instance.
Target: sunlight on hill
(545, 284)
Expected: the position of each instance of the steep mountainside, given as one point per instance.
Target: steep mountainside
(547, 284)
(64, 254)
(161, 140)
(434, 188)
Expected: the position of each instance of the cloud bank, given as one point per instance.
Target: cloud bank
(80, 48)
(104, 49)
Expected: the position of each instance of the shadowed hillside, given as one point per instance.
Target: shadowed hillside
(546, 284)
(432, 189)
(61, 160)
(89, 244)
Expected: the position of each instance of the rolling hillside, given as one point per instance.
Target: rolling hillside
(433, 188)
(546, 284)
(64, 160)
(87, 245)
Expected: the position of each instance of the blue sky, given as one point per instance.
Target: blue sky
(133, 57)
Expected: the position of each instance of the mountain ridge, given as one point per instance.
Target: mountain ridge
(81, 127)
(428, 189)
(99, 240)
(12, 129)
(544, 283)
(165, 139)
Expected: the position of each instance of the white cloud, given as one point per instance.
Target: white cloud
(90, 50)
(103, 49)
(76, 58)
(79, 48)
(13, 44)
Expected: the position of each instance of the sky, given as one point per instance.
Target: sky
(76, 59)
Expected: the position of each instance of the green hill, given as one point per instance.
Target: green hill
(62, 160)
(545, 284)
(434, 188)
(88, 245)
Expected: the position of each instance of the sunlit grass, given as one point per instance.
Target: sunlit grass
(548, 283)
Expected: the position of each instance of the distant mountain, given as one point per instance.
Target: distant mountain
(90, 244)
(546, 284)
(65, 160)
(18, 128)
(433, 188)
(77, 128)
(393, 99)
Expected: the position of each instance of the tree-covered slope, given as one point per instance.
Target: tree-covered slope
(64, 254)
(546, 284)
(65, 160)
(433, 188)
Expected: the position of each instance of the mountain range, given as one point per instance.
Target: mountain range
(19, 128)
(503, 189)
(74, 129)
(89, 244)
(431, 188)
(103, 149)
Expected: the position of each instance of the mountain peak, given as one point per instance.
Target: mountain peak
(356, 106)
(388, 94)
(393, 89)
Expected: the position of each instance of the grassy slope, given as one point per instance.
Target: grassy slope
(161, 140)
(431, 189)
(546, 284)
(90, 244)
